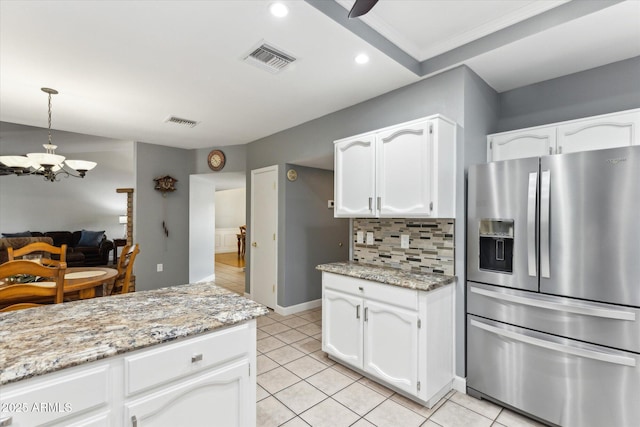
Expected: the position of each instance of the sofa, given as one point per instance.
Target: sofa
(84, 248)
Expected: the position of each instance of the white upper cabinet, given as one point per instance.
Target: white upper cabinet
(609, 131)
(407, 170)
(591, 133)
(355, 185)
(521, 144)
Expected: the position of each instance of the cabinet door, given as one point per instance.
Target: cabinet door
(405, 171)
(342, 326)
(221, 397)
(522, 144)
(610, 131)
(391, 345)
(354, 179)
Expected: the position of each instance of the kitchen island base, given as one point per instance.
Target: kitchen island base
(209, 378)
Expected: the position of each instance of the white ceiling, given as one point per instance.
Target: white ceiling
(123, 67)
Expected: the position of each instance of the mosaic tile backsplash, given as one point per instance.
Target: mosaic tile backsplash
(431, 244)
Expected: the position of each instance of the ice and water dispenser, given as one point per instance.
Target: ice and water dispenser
(496, 245)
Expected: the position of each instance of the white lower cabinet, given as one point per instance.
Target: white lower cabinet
(213, 398)
(205, 380)
(400, 337)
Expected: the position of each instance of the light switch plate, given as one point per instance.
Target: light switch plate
(359, 237)
(369, 238)
(404, 241)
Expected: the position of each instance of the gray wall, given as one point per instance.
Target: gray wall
(311, 235)
(606, 89)
(30, 203)
(150, 209)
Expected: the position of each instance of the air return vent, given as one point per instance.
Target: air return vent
(269, 58)
(179, 121)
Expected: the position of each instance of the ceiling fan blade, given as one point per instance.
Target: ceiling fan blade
(360, 7)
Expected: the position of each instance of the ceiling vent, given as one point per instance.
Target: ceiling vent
(268, 57)
(179, 121)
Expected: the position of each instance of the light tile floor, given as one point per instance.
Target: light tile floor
(298, 385)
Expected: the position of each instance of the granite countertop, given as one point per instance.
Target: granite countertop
(389, 275)
(45, 339)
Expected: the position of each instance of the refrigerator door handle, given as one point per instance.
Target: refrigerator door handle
(531, 224)
(562, 348)
(557, 306)
(545, 196)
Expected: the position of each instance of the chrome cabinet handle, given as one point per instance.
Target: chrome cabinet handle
(358, 311)
(531, 224)
(366, 314)
(371, 203)
(545, 212)
(379, 202)
(196, 358)
(6, 421)
(360, 288)
(134, 421)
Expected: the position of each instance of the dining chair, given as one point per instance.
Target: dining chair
(243, 239)
(16, 296)
(125, 270)
(41, 247)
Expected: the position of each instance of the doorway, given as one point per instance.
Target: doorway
(263, 236)
(230, 219)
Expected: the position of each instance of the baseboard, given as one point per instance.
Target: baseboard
(459, 384)
(293, 309)
(211, 278)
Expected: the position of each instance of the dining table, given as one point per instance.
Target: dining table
(83, 282)
(88, 282)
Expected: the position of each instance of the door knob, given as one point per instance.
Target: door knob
(254, 244)
(340, 244)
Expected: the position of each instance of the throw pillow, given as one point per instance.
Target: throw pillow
(90, 238)
(22, 234)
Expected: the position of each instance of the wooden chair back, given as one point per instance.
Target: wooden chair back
(40, 247)
(125, 269)
(16, 296)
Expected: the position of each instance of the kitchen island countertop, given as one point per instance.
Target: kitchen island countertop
(389, 275)
(46, 339)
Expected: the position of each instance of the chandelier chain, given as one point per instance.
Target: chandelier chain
(49, 118)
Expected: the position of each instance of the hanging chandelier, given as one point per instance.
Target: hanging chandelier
(48, 164)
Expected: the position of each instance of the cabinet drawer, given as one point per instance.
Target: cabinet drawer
(390, 294)
(177, 360)
(62, 395)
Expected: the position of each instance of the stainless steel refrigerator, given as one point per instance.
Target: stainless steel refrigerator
(553, 286)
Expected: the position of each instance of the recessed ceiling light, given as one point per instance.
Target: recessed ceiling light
(279, 10)
(363, 58)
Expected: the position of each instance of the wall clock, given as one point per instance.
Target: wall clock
(216, 160)
(292, 175)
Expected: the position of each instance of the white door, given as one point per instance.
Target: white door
(355, 177)
(522, 144)
(391, 345)
(615, 130)
(263, 276)
(342, 326)
(404, 170)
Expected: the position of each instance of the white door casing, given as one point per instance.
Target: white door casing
(262, 233)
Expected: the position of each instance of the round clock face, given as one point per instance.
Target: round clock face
(216, 160)
(292, 175)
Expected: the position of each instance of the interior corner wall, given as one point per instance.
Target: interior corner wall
(151, 209)
(606, 89)
(312, 235)
(481, 108)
